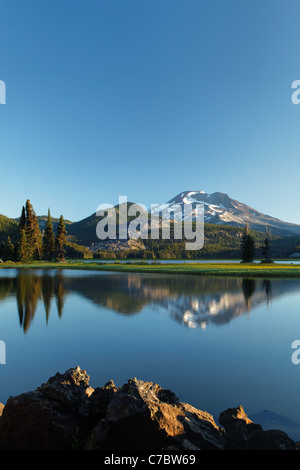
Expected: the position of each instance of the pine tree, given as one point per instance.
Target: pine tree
(247, 247)
(266, 247)
(9, 249)
(33, 233)
(22, 247)
(60, 240)
(29, 243)
(22, 221)
(48, 240)
(21, 227)
(2, 249)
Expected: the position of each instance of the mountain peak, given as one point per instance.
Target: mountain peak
(221, 209)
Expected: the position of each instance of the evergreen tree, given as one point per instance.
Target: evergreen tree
(2, 249)
(60, 240)
(21, 227)
(48, 239)
(33, 233)
(247, 247)
(22, 247)
(266, 246)
(9, 249)
(22, 221)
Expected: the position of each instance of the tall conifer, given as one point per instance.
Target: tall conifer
(48, 239)
(33, 233)
(22, 247)
(10, 249)
(22, 221)
(266, 246)
(247, 247)
(21, 226)
(60, 240)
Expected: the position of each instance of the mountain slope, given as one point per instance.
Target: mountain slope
(219, 208)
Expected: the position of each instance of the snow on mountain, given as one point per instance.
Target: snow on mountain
(221, 209)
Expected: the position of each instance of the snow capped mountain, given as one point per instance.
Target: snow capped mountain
(221, 209)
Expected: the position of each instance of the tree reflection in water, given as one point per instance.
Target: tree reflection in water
(32, 288)
(193, 301)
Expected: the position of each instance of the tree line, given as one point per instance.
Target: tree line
(33, 244)
(223, 242)
(248, 248)
(229, 243)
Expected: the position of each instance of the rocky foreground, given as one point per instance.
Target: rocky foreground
(66, 413)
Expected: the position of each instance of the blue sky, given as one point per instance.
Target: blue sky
(148, 99)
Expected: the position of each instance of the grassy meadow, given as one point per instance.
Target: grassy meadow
(205, 269)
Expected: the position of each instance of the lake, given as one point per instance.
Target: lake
(215, 342)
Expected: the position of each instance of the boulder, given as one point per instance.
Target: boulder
(273, 439)
(66, 413)
(100, 399)
(243, 434)
(142, 415)
(50, 417)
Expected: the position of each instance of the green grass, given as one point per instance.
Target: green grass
(205, 269)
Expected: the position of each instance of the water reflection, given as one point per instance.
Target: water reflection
(192, 301)
(31, 288)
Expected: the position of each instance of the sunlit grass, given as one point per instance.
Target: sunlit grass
(211, 269)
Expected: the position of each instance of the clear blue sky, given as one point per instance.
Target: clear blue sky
(148, 99)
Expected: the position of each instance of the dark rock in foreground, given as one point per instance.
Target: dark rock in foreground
(66, 413)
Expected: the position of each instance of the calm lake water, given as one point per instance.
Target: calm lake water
(216, 342)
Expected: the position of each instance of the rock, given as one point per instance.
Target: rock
(70, 389)
(101, 398)
(142, 415)
(234, 416)
(243, 434)
(48, 418)
(66, 413)
(273, 439)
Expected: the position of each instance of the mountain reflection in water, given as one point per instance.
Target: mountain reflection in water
(193, 301)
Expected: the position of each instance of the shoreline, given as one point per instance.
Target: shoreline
(271, 270)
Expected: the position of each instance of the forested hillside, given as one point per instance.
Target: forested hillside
(8, 228)
(219, 242)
